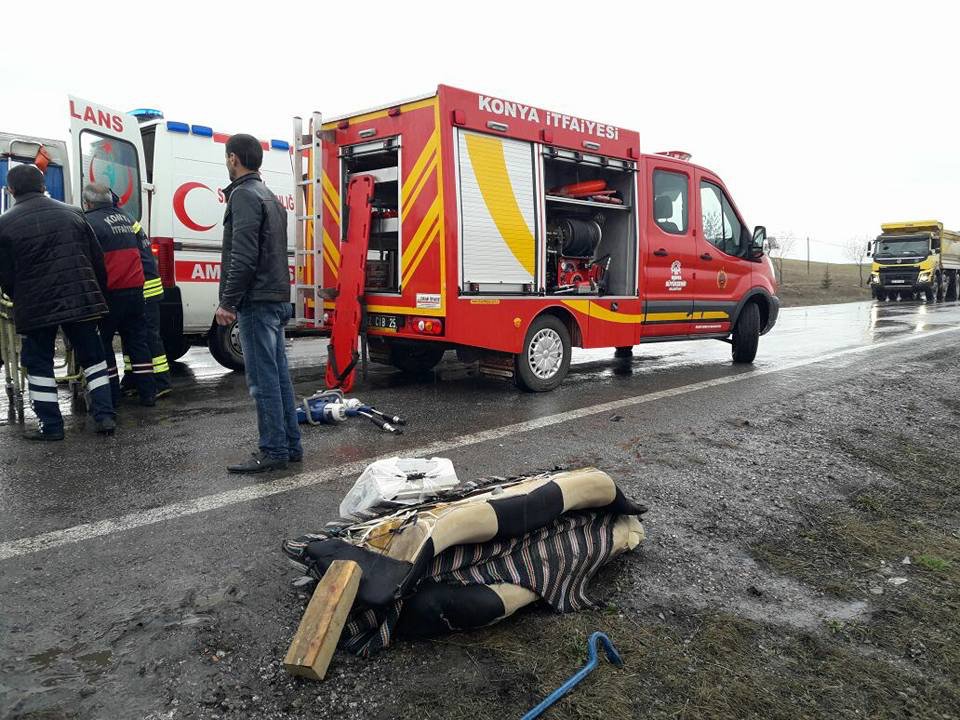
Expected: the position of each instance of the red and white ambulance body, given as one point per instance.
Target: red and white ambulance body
(511, 233)
(169, 175)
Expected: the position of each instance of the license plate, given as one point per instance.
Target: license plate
(385, 322)
(902, 282)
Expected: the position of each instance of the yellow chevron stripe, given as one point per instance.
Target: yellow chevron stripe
(421, 170)
(415, 193)
(591, 309)
(377, 114)
(422, 254)
(331, 253)
(413, 247)
(490, 169)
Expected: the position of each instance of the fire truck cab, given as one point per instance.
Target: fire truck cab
(169, 175)
(513, 233)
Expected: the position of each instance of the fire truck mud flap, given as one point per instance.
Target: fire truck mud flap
(769, 308)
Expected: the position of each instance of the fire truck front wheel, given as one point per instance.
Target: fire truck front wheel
(224, 344)
(545, 359)
(746, 334)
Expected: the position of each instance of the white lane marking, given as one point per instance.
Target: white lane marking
(87, 531)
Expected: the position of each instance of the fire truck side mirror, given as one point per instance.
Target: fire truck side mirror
(759, 239)
(869, 248)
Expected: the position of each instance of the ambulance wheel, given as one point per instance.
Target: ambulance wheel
(746, 334)
(416, 359)
(545, 359)
(224, 344)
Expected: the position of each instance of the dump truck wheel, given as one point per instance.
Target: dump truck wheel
(224, 344)
(941, 289)
(746, 334)
(952, 286)
(416, 359)
(543, 362)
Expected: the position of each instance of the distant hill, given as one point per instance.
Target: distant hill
(798, 287)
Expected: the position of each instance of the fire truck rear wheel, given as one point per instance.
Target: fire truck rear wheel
(746, 334)
(224, 344)
(545, 359)
(416, 359)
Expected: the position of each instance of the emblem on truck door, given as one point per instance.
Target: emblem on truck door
(721, 279)
(676, 283)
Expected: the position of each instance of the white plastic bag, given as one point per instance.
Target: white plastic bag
(403, 480)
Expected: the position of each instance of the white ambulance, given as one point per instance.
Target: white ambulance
(170, 176)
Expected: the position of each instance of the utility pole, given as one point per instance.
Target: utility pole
(808, 255)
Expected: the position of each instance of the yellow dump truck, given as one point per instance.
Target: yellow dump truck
(910, 258)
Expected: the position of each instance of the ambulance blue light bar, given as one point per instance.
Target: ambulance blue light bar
(279, 144)
(201, 130)
(144, 114)
(177, 127)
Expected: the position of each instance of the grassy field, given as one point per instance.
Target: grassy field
(798, 287)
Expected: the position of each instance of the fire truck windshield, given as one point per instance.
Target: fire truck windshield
(892, 248)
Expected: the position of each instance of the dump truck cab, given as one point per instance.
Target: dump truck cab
(915, 258)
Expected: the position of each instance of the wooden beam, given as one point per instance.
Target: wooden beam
(320, 627)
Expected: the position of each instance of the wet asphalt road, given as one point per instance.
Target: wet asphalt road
(81, 623)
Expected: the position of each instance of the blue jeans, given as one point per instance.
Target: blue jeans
(268, 376)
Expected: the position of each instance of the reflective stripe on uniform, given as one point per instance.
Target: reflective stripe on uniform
(160, 364)
(136, 226)
(153, 288)
(43, 396)
(98, 382)
(42, 381)
(126, 363)
(88, 371)
(143, 368)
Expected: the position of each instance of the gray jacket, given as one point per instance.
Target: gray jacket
(254, 265)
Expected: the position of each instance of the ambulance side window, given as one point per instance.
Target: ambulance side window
(721, 226)
(113, 162)
(670, 192)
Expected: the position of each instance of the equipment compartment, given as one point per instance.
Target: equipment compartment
(380, 159)
(591, 238)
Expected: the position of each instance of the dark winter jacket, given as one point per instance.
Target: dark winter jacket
(254, 265)
(152, 283)
(50, 264)
(121, 248)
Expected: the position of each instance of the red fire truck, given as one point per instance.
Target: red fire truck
(512, 233)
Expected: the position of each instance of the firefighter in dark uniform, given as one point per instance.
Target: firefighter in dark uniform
(124, 292)
(152, 295)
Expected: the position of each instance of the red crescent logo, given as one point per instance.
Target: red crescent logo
(179, 200)
(127, 194)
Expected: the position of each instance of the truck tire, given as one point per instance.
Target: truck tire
(416, 358)
(746, 334)
(224, 344)
(543, 362)
(175, 347)
(941, 288)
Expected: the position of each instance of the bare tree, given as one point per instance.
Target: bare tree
(781, 244)
(855, 250)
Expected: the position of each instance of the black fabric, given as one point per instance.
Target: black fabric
(150, 269)
(622, 505)
(439, 608)
(50, 264)
(521, 513)
(254, 265)
(120, 246)
(127, 318)
(381, 575)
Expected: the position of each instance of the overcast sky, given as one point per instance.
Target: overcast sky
(823, 119)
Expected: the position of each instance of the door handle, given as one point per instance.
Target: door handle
(660, 253)
(706, 256)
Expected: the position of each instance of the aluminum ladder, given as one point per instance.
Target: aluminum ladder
(308, 211)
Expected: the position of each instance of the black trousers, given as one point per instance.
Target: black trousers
(161, 368)
(127, 318)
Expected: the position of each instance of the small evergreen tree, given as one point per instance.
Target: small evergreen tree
(826, 281)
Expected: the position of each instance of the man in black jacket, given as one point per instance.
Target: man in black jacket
(255, 291)
(123, 291)
(52, 267)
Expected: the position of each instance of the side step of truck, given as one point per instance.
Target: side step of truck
(349, 311)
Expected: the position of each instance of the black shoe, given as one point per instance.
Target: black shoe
(298, 458)
(42, 436)
(623, 352)
(258, 463)
(163, 392)
(148, 402)
(107, 426)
